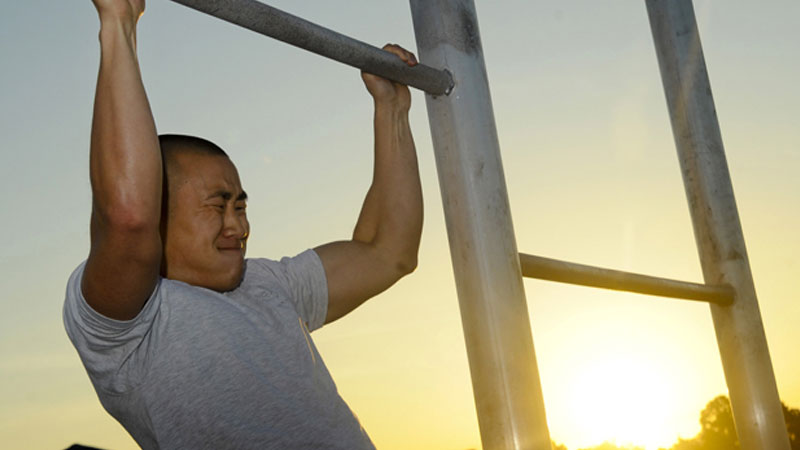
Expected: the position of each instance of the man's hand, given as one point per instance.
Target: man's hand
(125, 11)
(386, 238)
(385, 91)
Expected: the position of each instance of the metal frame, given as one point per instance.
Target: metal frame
(274, 23)
(488, 269)
(494, 312)
(720, 242)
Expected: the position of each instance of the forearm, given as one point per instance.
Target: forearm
(391, 217)
(125, 160)
(386, 237)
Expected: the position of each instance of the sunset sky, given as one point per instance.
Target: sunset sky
(592, 176)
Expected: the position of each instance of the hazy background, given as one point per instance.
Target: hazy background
(592, 175)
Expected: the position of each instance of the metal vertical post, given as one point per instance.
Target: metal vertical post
(505, 378)
(718, 232)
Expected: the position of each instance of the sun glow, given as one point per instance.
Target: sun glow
(625, 400)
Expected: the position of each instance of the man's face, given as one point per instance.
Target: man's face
(206, 228)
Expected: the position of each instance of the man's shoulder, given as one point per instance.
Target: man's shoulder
(305, 262)
(300, 279)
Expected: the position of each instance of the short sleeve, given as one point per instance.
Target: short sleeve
(109, 348)
(303, 278)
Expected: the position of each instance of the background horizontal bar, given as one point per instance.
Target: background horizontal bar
(293, 30)
(567, 272)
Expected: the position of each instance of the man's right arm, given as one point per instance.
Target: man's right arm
(125, 171)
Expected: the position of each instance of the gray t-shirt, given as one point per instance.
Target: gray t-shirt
(199, 369)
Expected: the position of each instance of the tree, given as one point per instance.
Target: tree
(792, 418)
(718, 431)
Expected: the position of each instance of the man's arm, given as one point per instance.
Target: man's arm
(386, 237)
(125, 172)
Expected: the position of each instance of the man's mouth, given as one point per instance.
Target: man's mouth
(231, 248)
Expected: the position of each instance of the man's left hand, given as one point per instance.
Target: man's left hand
(386, 91)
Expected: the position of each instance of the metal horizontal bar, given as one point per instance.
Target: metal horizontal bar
(272, 22)
(567, 272)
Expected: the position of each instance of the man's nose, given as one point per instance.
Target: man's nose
(235, 225)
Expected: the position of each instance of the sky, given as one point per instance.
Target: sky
(592, 176)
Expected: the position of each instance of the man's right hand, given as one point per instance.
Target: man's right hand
(125, 11)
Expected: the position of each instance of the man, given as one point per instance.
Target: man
(187, 343)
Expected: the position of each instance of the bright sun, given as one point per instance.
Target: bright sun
(624, 400)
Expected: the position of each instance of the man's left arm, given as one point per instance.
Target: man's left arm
(386, 238)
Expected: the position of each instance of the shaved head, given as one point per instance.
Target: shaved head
(175, 144)
(173, 148)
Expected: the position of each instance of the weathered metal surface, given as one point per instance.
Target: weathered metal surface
(505, 379)
(293, 30)
(718, 232)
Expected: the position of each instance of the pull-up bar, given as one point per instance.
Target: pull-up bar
(293, 30)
